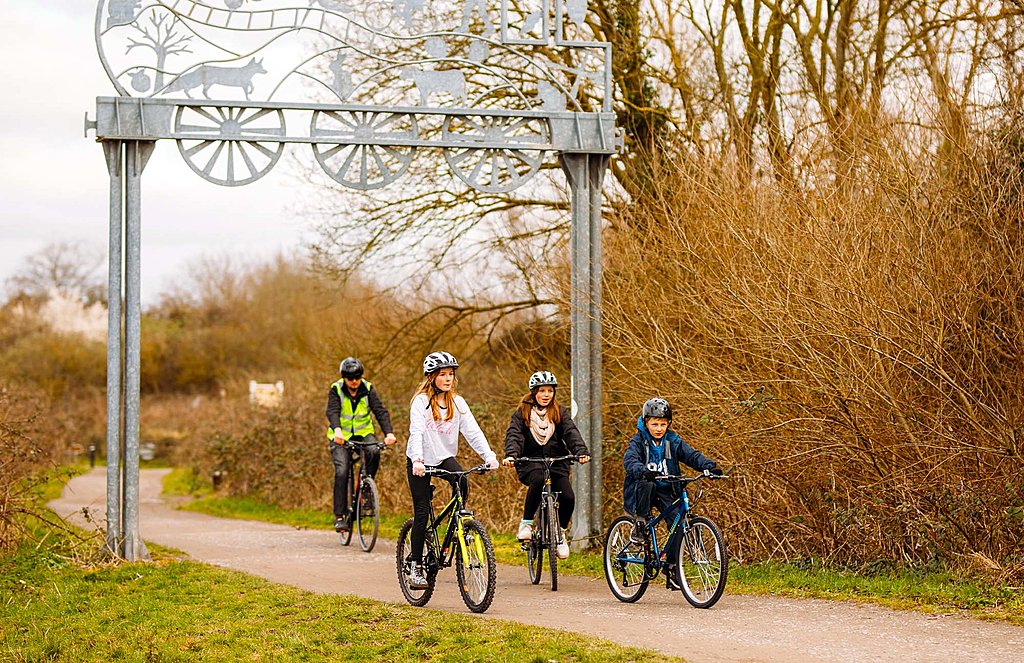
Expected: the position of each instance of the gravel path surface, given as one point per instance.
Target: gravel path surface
(738, 628)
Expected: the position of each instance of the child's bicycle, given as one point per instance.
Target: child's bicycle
(465, 543)
(546, 531)
(364, 499)
(633, 559)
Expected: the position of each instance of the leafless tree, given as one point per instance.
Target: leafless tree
(71, 268)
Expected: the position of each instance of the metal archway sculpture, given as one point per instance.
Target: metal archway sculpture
(368, 86)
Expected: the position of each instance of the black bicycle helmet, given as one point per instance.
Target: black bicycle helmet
(435, 361)
(541, 378)
(657, 407)
(351, 368)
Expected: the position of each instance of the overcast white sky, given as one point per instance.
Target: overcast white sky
(53, 181)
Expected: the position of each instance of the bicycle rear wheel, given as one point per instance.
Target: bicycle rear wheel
(703, 563)
(551, 536)
(367, 514)
(346, 535)
(624, 562)
(478, 578)
(534, 559)
(417, 597)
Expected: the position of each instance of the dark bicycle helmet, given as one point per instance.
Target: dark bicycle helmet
(541, 378)
(435, 361)
(351, 368)
(657, 407)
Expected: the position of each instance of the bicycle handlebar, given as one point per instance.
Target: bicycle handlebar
(352, 444)
(673, 478)
(545, 459)
(434, 470)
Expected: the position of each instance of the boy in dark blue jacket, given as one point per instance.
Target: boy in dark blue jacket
(656, 450)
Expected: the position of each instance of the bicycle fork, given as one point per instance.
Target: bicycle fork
(478, 545)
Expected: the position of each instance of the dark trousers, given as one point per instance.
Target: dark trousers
(342, 459)
(534, 481)
(650, 495)
(419, 488)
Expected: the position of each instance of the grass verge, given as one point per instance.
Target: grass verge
(924, 591)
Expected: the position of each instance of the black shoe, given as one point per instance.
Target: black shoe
(639, 535)
(670, 579)
(341, 524)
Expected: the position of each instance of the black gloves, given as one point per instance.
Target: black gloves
(649, 475)
(714, 470)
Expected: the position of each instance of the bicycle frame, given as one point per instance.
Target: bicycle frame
(353, 481)
(680, 512)
(456, 515)
(547, 462)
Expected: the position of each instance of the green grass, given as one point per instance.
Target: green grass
(171, 610)
(932, 591)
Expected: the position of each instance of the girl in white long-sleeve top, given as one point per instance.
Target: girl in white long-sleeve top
(437, 416)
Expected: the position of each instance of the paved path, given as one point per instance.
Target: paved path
(738, 628)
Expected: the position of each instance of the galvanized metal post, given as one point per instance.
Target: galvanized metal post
(112, 150)
(585, 173)
(137, 153)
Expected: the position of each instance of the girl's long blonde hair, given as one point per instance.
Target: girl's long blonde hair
(436, 396)
(530, 401)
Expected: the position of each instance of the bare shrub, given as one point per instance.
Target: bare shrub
(852, 355)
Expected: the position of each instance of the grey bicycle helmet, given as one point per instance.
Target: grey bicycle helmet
(435, 361)
(657, 407)
(541, 378)
(351, 368)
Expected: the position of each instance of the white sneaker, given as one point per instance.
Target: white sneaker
(525, 531)
(563, 546)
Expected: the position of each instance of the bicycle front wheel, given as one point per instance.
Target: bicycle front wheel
(551, 534)
(367, 514)
(703, 563)
(475, 567)
(624, 562)
(403, 560)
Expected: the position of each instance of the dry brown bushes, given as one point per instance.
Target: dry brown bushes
(851, 353)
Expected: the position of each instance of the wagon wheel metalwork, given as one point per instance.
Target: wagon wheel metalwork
(353, 161)
(495, 154)
(227, 145)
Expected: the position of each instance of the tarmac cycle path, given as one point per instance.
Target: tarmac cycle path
(738, 628)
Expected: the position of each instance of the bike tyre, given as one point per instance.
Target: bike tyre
(534, 560)
(473, 529)
(551, 535)
(416, 597)
(616, 540)
(703, 564)
(367, 526)
(346, 535)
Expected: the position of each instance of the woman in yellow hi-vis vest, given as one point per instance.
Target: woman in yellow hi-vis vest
(349, 404)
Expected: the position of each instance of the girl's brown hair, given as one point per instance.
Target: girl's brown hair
(439, 399)
(530, 401)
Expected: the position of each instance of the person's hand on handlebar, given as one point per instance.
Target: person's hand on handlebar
(492, 464)
(509, 461)
(418, 468)
(390, 439)
(584, 459)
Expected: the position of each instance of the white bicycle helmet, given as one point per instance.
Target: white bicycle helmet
(435, 361)
(541, 378)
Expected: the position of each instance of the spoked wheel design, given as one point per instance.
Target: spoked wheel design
(703, 563)
(355, 163)
(551, 535)
(227, 145)
(417, 597)
(495, 154)
(478, 577)
(624, 562)
(367, 514)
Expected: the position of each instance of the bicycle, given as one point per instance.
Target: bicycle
(546, 532)
(465, 544)
(364, 498)
(701, 565)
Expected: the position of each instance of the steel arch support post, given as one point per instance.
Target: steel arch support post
(114, 153)
(585, 173)
(137, 154)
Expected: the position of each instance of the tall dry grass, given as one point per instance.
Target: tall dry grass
(850, 353)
